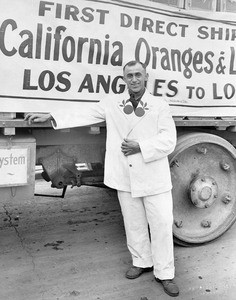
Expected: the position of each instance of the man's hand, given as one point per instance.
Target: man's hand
(129, 147)
(37, 117)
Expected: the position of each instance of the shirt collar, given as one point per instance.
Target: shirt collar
(138, 95)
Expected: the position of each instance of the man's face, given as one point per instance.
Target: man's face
(135, 78)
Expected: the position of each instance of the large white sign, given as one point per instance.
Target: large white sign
(13, 166)
(74, 50)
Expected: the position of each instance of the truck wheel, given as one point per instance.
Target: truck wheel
(203, 171)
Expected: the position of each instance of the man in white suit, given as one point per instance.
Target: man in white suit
(140, 135)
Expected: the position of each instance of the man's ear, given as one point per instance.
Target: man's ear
(124, 79)
(146, 77)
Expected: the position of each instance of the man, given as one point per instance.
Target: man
(140, 135)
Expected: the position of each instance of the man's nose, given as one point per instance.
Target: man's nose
(134, 78)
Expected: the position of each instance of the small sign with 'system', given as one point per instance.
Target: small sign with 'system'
(13, 166)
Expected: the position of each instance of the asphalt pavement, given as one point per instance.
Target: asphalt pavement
(55, 248)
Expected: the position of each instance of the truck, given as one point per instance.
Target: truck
(69, 54)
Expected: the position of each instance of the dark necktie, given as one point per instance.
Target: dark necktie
(133, 101)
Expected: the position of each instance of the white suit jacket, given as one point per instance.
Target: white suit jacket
(142, 174)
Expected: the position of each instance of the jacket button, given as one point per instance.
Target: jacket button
(130, 165)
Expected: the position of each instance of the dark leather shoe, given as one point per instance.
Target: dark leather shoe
(135, 272)
(170, 287)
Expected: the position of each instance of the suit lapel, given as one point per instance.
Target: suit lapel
(143, 109)
(123, 107)
(131, 118)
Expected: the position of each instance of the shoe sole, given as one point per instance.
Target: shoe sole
(133, 277)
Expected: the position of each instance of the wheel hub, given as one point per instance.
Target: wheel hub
(203, 191)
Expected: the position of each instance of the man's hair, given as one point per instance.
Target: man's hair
(133, 63)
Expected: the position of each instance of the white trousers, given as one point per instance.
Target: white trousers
(157, 212)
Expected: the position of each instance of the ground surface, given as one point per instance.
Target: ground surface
(74, 248)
